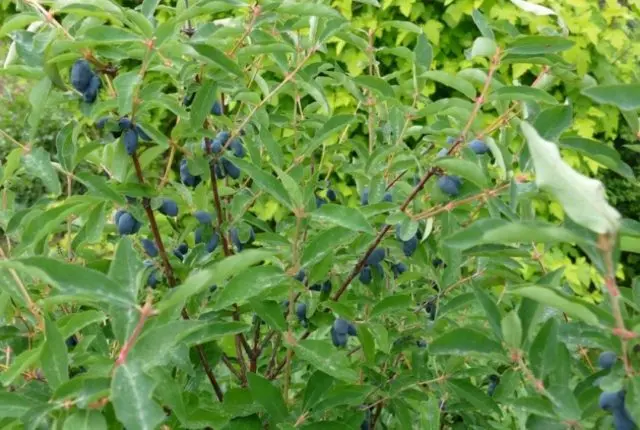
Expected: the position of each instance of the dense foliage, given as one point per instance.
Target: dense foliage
(300, 214)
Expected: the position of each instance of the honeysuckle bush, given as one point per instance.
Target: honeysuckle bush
(151, 290)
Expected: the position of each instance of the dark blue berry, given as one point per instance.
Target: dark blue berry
(71, 341)
(410, 246)
(387, 197)
(142, 134)
(301, 312)
(230, 168)
(203, 217)
(341, 326)
(186, 177)
(130, 139)
(237, 147)
(117, 215)
(478, 146)
(124, 123)
(91, 93)
(81, 75)
(320, 202)
(102, 122)
(127, 224)
(376, 256)
(339, 339)
(364, 198)
(188, 99)
(331, 195)
(149, 247)
(216, 109)
(300, 275)
(212, 244)
(398, 269)
(449, 185)
(168, 207)
(365, 275)
(607, 359)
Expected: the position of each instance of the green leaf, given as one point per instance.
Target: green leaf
(73, 280)
(131, 397)
(543, 350)
(492, 230)
(512, 329)
(491, 310)
(265, 181)
(483, 47)
(201, 107)
(65, 146)
(247, 285)
(458, 84)
(582, 198)
(551, 122)
(92, 229)
(219, 58)
(14, 404)
(109, 35)
(38, 100)
(463, 341)
(483, 25)
(316, 387)
(375, 84)
(522, 93)
(55, 362)
(268, 396)
(532, 45)
(124, 268)
(309, 9)
(464, 168)
(99, 185)
(270, 312)
(210, 332)
(600, 152)
(21, 363)
(470, 393)
(367, 342)
(555, 300)
(332, 125)
(404, 26)
(423, 52)
(49, 221)
(326, 243)
(391, 303)
(73, 323)
(216, 274)
(321, 355)
(623, 96)
(37, 163)
(125, 85)
(347, 217)
(85, 420)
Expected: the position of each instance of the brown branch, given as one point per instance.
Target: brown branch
(476, 108)
(216, 201)
(170, 275)
(145, 313)
(253, 363)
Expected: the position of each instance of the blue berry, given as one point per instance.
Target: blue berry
(149, 247)
(387, 197)
(216, 109)
(142, 134)
(410, 246)
(398, 269)
(376, 256)
(301, 312)
(91, 93)
(101, 122)
(117, 215)
(237, 148)
(449, 185)
(183, 248)
(71, 341)
(341, 326)
(130, 139)
(127, 224)
(364, 198)
(203, 217)
(607, 359)
(186, 177)
(168, 207)
(339, 339)
(320, 202)
(124, 123)
(188, 99)
(300, 276)
(212, 244)
(230, 168)
(331, 195)
(81, 75)
(478, 146)
(365, 275)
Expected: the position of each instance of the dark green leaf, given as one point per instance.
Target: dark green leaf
(532, 45)
(131, 397)
(268, 396)
(347, 217)
(462, 341)
(623, 96)
(600, 152)
(247, 285)
(320, 355)
(55, 362)
(219, 58)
